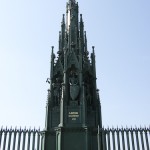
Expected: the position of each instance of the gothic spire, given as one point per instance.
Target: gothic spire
(73, 67)
(73, 93)
(63, 19)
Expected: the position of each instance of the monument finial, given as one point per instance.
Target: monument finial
(72, 1)
(63, 19)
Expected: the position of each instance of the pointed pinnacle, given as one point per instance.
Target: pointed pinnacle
(93, 47)
(52, 49)
(73, 1)
(81, 20)
(63, 19)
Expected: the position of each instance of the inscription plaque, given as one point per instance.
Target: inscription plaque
(74, 116)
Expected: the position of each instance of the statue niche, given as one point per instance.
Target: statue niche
(57, 91)
(88, 95)
(74, 84)
(88, 88)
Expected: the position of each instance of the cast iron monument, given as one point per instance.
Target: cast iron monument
(73, 112)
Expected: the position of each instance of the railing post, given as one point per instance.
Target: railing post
(137, 139)
(123, 142)
(108, 138)
(9, 141)
(5, 136)
(33, 141)
(14, 141)
(19, 138)
(113, 139)
(146, 137)
(29, 134)
(118, 139)
(132, 139)
(142, 141)
(104, 139)
(1, 133)
(24, 138)
(128, 143)
(38, 141)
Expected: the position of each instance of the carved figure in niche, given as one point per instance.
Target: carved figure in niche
(74, 86)
(88, 82)
(73, 80)
(57, 91)
(88, 95)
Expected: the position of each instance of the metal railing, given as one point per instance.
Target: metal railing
(125, 138)
(20, 139)
(109, 139)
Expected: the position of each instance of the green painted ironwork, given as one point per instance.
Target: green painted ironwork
(113, 139)
(73, 109)
(20, 139)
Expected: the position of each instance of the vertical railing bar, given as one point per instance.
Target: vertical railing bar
(9, 140)
(108, 138)
(19, 139)
(33, 141)
(146, 137)
(105, 133)
(123, 142)
(24, 139)
(132, 139)
(103, 136)
(99, 138)
(137, 139)
(14, 141)
(142, 141)
(127, 135)
(41, 142)
(113, 139)
(28, 145)
(1, 133)
(118, 139)
(38, 140)
(5, 136)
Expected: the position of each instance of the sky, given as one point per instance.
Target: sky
(120, 32)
